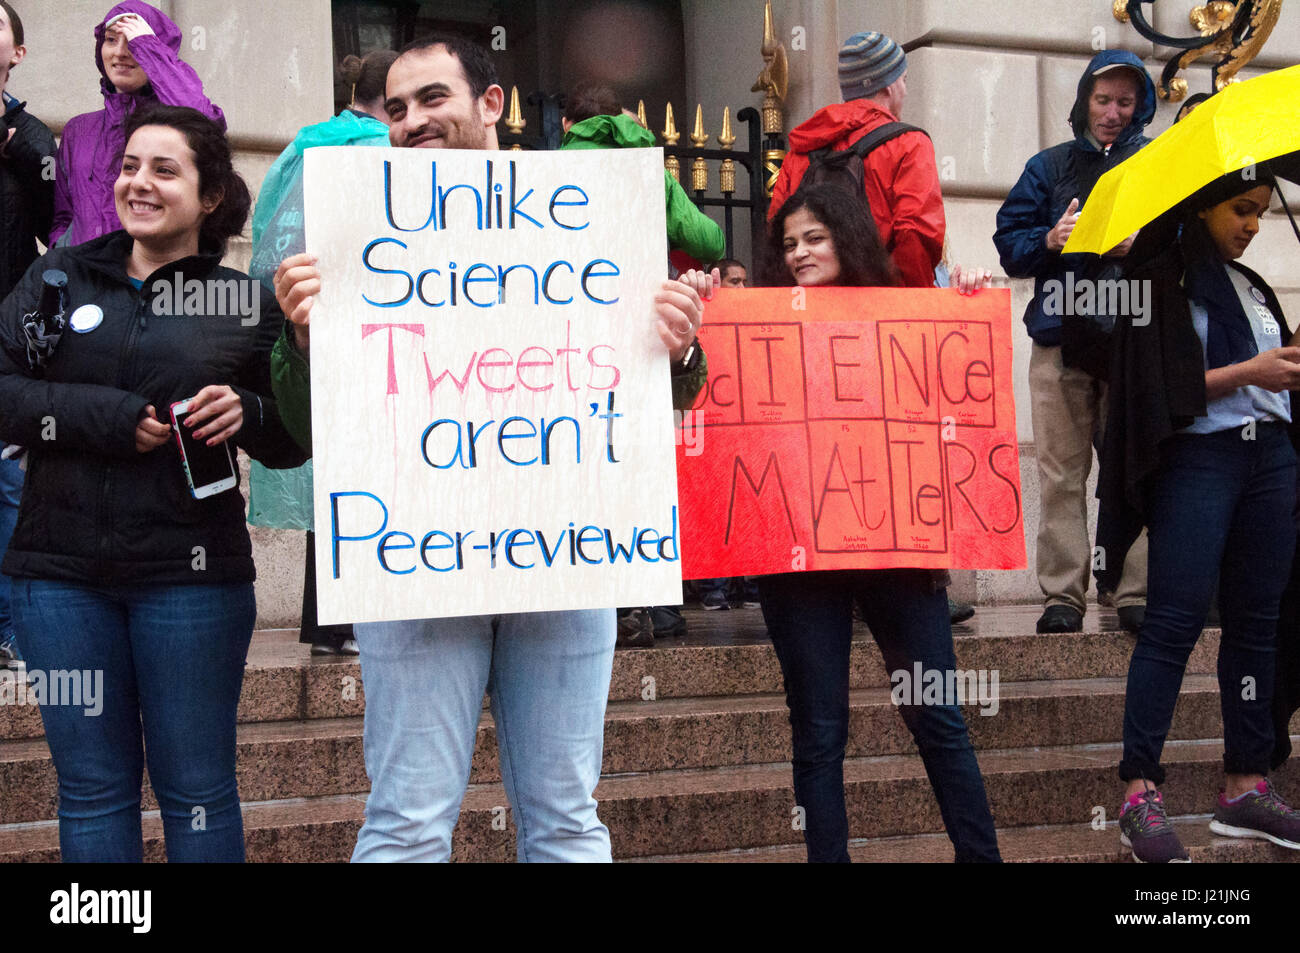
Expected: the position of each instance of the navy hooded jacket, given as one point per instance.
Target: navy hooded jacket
(1051, 179)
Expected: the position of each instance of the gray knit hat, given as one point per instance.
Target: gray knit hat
(868, 63)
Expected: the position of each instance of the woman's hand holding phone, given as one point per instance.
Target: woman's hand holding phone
(150, 432)
(215, 414)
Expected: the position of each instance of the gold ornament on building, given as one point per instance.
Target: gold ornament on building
(774, 79)
(671, 135)
(1233, 39)
(699, 168)
(515, 120)
(726, 139)
(640, 114)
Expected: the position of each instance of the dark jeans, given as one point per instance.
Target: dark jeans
(172, 662)
(810, 619)
(1219, 506)
(11, 491)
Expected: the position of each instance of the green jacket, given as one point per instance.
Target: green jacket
(689, 229)
(291, 383)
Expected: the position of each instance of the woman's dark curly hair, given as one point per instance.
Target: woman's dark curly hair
(864, 262)
(212, 158)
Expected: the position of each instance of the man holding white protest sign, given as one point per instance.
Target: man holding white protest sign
(480, 384)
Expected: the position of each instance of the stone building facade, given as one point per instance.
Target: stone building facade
(991, 82)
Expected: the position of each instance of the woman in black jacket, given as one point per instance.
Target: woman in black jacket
(141, 592)
(1198, 450)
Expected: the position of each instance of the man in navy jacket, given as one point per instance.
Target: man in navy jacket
(1115, 102)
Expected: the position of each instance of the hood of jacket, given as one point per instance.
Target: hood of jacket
(608, 132)
(1142, 115)
(832, 123)
(167, 31)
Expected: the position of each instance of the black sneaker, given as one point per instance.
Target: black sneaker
(1259, 813)
(635, 629)
(714, 600)
(1144, 828)
(959, 611)
(1060, 619)
(667, 620)
(1131, 618)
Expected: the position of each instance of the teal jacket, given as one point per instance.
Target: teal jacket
(283, 498)
(689, 229)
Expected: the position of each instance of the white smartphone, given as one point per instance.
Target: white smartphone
(208, 470)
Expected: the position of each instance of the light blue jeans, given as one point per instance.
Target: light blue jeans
(548, 676)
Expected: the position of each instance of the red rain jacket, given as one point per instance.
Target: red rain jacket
(902, 183)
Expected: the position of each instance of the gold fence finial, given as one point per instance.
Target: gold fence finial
(726, 139)
(515, 120)
(671, 135)
(699, 168)
(640, 113)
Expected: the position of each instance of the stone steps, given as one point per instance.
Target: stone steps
(691, 811)
(288, 759)
(697, 744)
(283, 683)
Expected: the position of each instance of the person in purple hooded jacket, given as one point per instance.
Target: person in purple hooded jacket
(137, 50)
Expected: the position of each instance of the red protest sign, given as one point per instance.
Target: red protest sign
(852, 428)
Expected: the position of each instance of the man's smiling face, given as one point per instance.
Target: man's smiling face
(430, 104)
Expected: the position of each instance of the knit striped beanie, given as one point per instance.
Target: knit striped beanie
(868, 63)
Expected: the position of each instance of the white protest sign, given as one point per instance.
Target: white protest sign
(491, 410)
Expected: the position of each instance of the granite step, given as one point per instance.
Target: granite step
(1059, 843)
(280, 760)
(684, 811)
(727, 654)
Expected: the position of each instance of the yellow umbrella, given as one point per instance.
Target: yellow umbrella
(1241, 125)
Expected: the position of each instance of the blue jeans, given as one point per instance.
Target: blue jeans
(172, 662)
(11, 491)
(548, 676)
(810, 619)
(1219, 507)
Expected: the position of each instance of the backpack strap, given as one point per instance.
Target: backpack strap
(882, 134)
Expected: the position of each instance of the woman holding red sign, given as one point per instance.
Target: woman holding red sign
(819, 238)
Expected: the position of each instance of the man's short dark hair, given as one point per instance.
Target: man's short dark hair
(722, 264)
(475, 60)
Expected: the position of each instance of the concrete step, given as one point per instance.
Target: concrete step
(725, 654)
(279, 760)
(725, 809)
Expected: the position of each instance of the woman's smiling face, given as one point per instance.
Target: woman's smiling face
(809, 250)
(157, 191)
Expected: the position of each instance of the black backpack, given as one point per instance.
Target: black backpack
(844, 169)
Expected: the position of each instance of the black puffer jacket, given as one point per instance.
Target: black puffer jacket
(94, 509)
(26, 191)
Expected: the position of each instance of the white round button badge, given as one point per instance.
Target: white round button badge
(86, 318)
(1258, 295)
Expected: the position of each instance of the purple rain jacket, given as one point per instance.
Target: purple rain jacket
(90, 151)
